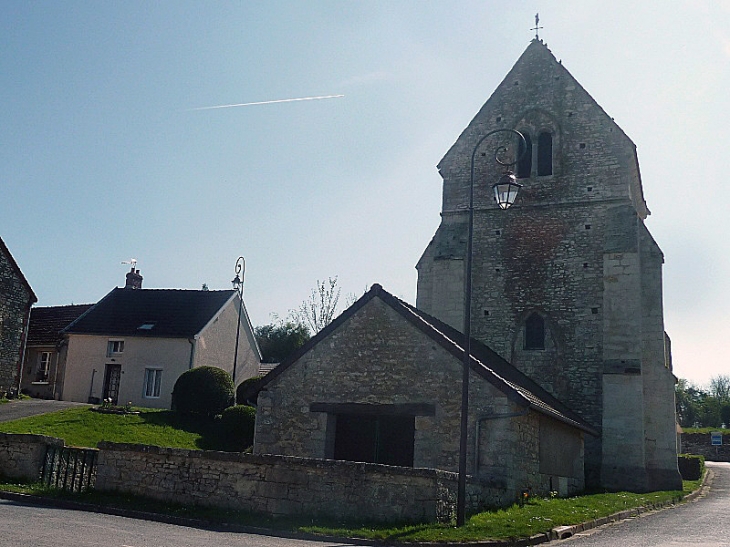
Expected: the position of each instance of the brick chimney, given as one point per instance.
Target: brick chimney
(134, 280)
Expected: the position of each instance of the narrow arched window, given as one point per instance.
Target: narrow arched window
(524, 166)
(535, 332)
(544, 154)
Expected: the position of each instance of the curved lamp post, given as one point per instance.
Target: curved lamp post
(505, 192)
(237, 283)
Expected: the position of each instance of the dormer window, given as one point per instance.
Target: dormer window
(114, 347)
(544, 154)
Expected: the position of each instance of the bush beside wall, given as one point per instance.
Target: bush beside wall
(691, 466)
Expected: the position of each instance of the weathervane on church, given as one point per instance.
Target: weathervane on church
(537, 27)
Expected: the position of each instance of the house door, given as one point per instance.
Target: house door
(112, 376)
(375, 439)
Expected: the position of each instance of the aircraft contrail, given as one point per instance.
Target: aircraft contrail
(268, 102)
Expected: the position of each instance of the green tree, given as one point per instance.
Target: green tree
(278, 341)
(689, 400)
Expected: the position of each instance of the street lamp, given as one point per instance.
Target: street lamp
(505, 192)
(237, 283)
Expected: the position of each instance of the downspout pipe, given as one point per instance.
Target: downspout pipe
(193, 342)
(484, 418)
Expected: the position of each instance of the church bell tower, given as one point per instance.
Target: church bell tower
(567, 283)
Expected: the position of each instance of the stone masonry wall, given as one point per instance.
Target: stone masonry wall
(278, 485)
(700, 444)
(15, 301)
(21, 456)
(266, 484)
(378, 358)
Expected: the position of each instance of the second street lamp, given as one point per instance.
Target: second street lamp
(237, 283)
(505, 192)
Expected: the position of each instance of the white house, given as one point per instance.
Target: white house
(134, 344)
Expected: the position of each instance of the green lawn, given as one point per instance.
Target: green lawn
(84, 427)
(538, 516)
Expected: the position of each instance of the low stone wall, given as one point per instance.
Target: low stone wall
(277, 485)
(266, 484)
(21, 456)
(700, 444)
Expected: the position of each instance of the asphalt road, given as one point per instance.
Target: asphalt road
(32, 526)
(704, 521)
(31, 407)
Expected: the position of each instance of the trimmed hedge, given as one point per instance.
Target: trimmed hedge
(243, 386)
(691, 466)
(237, 427)
(203, 390)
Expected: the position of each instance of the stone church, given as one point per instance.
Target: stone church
(567, 283)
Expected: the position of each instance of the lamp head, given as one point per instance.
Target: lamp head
(505, 190)
(237, 283)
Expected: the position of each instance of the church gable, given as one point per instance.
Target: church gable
(571, 136)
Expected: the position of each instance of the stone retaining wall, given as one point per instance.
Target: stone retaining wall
(266, 484)
(21, 456)
(700, 444)
(278, 485)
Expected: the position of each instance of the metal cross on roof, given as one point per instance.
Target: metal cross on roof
(537, 27)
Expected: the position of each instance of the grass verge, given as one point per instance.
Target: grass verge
(84, 427)
(536, 516)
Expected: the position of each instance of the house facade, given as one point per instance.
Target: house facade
(567, 283)
(134, 344)
(382, 384)
(44, 348)
(16, 299)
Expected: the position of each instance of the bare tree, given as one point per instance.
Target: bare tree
(319, 309)
(720, 388)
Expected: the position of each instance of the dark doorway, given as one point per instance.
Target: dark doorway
(112, 376)
(375, 439)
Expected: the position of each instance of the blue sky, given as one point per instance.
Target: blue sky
(103, 157)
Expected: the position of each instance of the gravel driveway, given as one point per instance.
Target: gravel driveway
(31, 407)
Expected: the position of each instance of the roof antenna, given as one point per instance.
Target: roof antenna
(537, 27)
(132, 261)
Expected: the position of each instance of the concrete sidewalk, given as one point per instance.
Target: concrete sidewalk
(22, 408)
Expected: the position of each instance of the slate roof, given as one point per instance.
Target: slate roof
(46, 323)
(167, 313)
(484, 361)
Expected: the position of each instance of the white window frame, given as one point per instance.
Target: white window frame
(44, 367)
(114, 347)
(152, 383)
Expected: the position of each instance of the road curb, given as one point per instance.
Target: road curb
(564, 532)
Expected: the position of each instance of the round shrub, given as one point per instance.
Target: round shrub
(203, 390)
(237, 426)
(243, 386)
